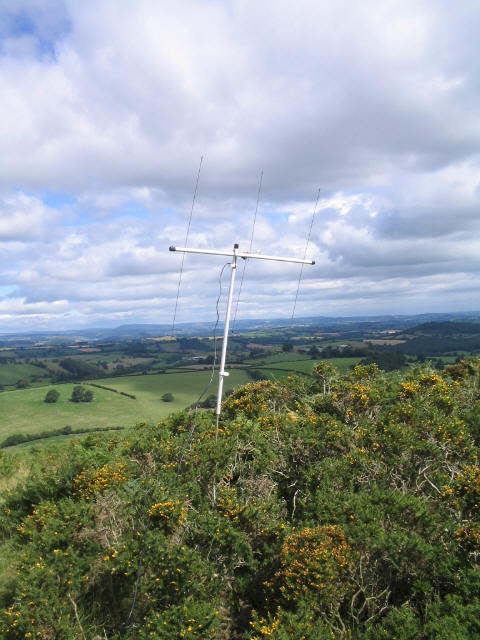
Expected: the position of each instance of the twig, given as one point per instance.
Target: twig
(75, 610)
(294, 503)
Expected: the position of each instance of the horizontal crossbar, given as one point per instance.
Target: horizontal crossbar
(240, 254)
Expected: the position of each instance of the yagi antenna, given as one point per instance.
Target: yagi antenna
(235, 254)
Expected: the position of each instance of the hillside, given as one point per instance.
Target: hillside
(332, 506)
(436, 338)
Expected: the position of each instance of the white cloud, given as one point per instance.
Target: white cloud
(23, 218)
(110, 105)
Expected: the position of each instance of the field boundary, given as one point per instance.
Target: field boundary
(22, 438)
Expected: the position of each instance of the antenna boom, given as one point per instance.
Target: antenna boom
(235, 254)
(240, 254)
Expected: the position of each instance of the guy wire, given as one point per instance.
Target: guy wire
(126, 625)
(304, 257)
(249, 249)
(185, 244)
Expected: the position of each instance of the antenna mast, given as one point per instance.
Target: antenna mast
(235, 254)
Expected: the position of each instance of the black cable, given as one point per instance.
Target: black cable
(127, 625)
(190, 437)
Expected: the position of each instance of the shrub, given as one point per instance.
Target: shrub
(313, 566)
(255, 374)
(80, 394)
(168, 397)
(210, 402)
(52, 396)
(355, 516)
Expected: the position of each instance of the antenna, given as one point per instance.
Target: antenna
(235, 254)
(304, 255)
(249, 249)
(186, 240)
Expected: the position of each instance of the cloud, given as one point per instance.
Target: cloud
(107, 107)
(312, 92)
(24, 217)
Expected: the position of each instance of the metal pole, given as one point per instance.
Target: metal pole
(222, 373)
(235, 254)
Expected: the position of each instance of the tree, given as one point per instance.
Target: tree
(77, 369)
(22, 383)
(80, 394)
(314, 352)
(52, 396)
(326, 374)
(167, 397)
(77, 394)
(256, 374)
(210, 402)
(287, 347)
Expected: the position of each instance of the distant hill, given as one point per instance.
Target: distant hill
(447, 328)
(342, 323)
(434, 338)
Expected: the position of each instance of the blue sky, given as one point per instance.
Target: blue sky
(108, 106)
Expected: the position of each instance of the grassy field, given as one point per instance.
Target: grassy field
(24, 411)
(185, 387)
(279, 357)
(10, 373)
(279, 367)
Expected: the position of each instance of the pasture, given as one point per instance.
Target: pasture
(24, 410)
(185, 386)
(11, 373)
(280, 367)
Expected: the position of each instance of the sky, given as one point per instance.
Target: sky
(107, 107)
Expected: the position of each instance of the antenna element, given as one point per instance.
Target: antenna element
(235, 254)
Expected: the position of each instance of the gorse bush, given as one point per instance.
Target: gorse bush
(322, 507)
(313, 566)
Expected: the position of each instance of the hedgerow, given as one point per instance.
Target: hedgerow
(322, 507)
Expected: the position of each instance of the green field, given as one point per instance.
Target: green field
(280, 358)
(24, 410)
(11, 373)
(282, 367)
(185, 387)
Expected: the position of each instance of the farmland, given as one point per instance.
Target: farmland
(150, 367)
(24, 410)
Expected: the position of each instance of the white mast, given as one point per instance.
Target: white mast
(234, 255)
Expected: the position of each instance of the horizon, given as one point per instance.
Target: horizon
(192, 323)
